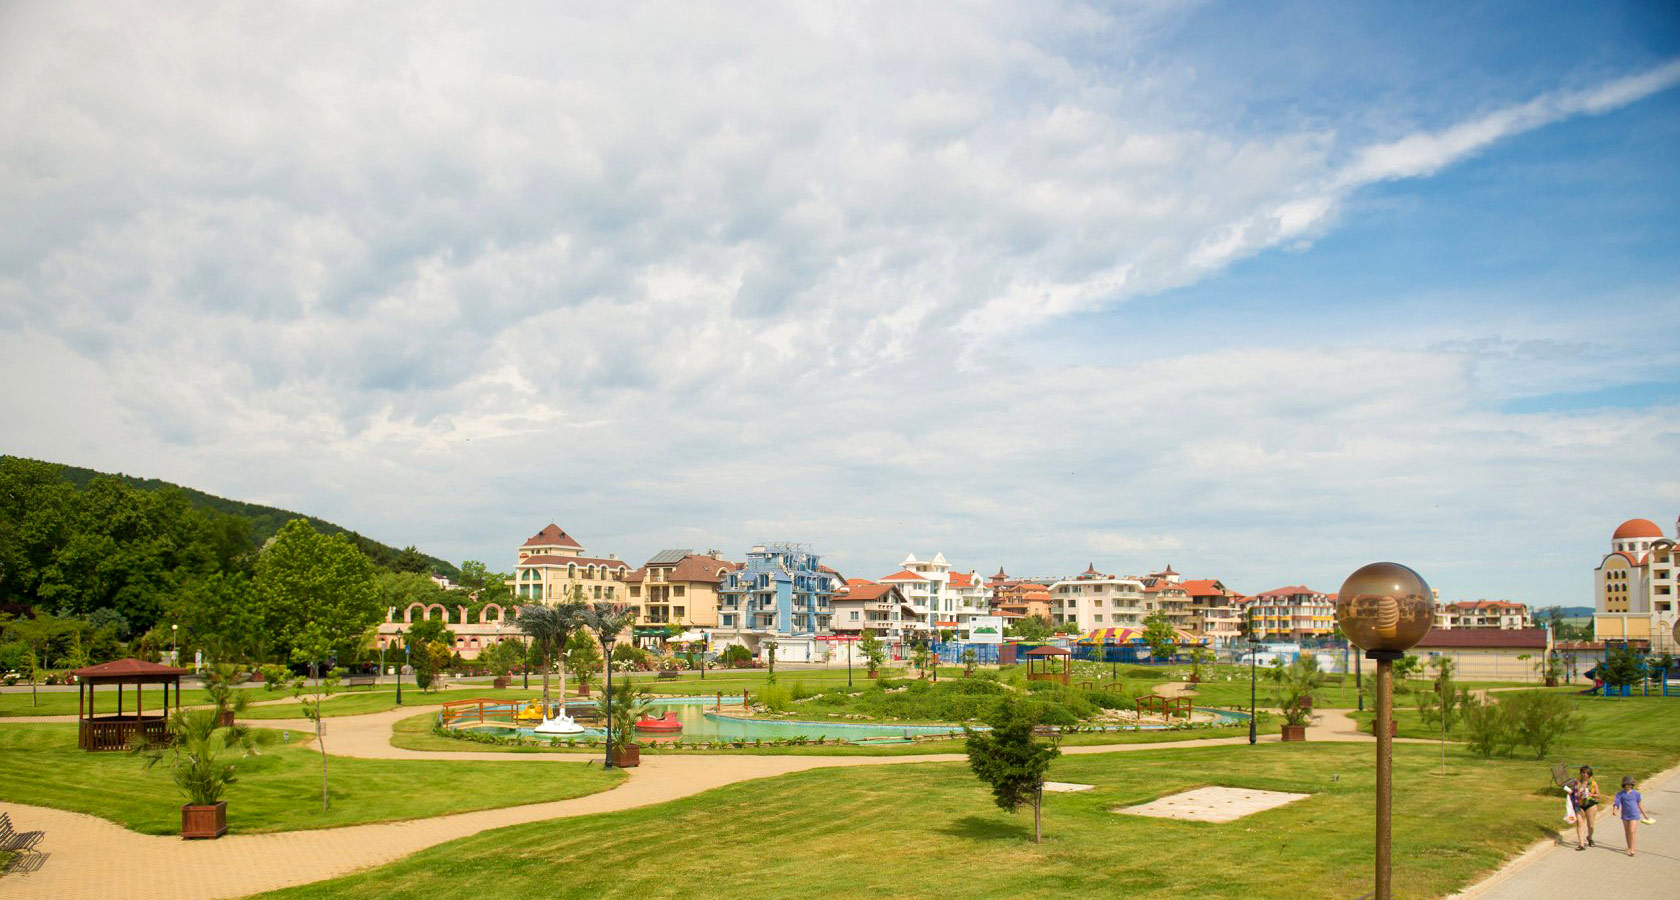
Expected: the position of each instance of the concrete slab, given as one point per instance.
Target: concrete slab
(1066, 787)
(1213, 804)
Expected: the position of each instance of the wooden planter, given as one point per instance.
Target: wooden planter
(1195, 678)
(1294, 732)
(1551, 682)
(206, 822)
(874, 674)
(583, 690)
(500, 683)
(627, 758)
(226, 720)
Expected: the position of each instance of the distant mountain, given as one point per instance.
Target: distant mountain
(1569, 612)
(264, 521)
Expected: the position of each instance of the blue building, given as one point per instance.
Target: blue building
(782, 593)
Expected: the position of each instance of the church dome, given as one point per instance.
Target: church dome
(1637, 528)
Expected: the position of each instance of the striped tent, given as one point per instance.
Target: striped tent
(1186, 639)
(1111, 637)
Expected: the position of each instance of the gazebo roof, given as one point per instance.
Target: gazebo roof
(1049, 651)
(130, 670)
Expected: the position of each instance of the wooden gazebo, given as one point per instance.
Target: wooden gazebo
(116, 731)
(1041, 664)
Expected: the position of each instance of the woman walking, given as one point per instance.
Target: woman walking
(1630, 806)
(1584, 791)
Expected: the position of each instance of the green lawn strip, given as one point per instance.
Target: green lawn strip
(896, 832)
(1634, 723)
(415, 733)
(63, 703)
(279, 790)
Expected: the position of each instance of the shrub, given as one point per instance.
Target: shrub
(1489, 728)
(1109, 700)
(1540, 719)
(775, 697)
(735, 655)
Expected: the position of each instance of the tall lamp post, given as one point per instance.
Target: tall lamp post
(1253, 678)
(525, 663)
(849, 663)
(1385, 608)
(405, 665)
(174, 645)
(607, 641)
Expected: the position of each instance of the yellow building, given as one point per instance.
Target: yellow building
(678, 587)
(551, 564)
(1634, 586)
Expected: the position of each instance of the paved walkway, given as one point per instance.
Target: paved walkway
(1553, 870)
(91, 857)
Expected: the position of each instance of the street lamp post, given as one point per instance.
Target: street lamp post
(381, 662)
(405, 665)
(607, 641)
(1385, 608)
(848, 664)
(525, 663)
(1253, 679)
(174, 645)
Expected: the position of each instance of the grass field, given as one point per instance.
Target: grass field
(277, 791)
(931, 831)
(1650, 724)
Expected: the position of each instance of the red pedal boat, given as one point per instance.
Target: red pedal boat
(667, 724)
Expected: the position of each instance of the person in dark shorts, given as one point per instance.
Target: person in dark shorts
(1583, 789)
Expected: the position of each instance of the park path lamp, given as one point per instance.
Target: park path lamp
(608, 638)
(849, 661)
(405, 665)
(174, 645)
(1385, 608)
(1253, 678)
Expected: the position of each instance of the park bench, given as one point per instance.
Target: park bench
(14, 841)
(667, 674)
(356, 681)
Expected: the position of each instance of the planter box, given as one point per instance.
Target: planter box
(628, 758)
(874, 674)
(204, 822)
(1294, 732)
(500, 683)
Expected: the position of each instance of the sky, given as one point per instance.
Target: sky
(1265, 291)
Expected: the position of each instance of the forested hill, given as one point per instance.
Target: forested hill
(264, 521)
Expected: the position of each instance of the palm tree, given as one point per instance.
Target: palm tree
(568, 618)
(541, 623)
(607, 620)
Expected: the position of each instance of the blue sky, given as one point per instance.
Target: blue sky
(1266, 291)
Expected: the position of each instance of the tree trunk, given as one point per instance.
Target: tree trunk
(545, 680)
(560, 662)
(1038, 816)
(321, 741)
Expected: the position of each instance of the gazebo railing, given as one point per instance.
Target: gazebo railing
(120, 733)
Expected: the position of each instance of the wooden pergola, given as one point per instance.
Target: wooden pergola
(1041, 664)
(116, 731)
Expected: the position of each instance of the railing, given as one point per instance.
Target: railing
(117, 734)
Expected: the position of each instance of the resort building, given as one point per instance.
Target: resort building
(678, 587)
(1214, 611)
(1483, 614)
(1634, 587)
(471, 637)
(782, 593)
(1022, 599)
(1292, 613)
(552, 566)
(881, 608)
(1164, 593)
(1095, 600)
(943, 600)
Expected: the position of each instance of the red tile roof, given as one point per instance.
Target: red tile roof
(695, 567)
(1201, 587)
(1485, 638)
(552, 536)
(959, 579)
(905, 575)
(545, 559)
(128, 668)
(1286, 591)
(1637, 528)
(870, 592)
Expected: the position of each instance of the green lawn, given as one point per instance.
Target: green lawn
(277, 791)
(931, 831)
(63, 703)
(1622, 723)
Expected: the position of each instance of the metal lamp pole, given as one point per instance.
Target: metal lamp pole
(848, 664)
(525, 664)
(1385, 608)
(1253, 675)
(607, 646)
(405, 665)
(174, 645)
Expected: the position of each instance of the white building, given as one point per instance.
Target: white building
(1501, 614)
(1634, 586)
(942, 599)
(1095, 600)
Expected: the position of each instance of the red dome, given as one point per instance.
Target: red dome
(1637, 528)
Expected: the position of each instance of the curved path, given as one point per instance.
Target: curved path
(91, 857)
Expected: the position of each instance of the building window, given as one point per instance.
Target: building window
(677, 591)
(635, 590)
(729, 621)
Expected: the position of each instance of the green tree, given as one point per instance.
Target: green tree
(969, 658)
(1012, 760)
(770, 651)
(582, 658)
(1539, 719)
(38, 635)
(1159, 634)
(314, 643)
(1621, 666)
(222, 614)
(431, 645)
(1300, 688)
(319, 585)
(1030, 628)
(197, 753)
(919, 654)
(874, 653)
(411, 560)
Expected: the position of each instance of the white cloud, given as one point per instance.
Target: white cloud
(671, 276)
